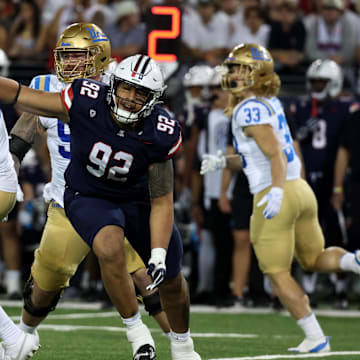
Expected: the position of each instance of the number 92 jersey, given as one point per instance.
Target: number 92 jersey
(106, 160)
(261, 111)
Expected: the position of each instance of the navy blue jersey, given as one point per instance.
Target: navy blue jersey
(319, 127)
(107, 161)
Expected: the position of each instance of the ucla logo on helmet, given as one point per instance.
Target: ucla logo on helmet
(96, 35)
(259, 55)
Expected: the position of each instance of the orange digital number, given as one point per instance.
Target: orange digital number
(173, 33)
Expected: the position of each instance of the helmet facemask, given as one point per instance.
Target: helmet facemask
(72, 63)
(146, 98)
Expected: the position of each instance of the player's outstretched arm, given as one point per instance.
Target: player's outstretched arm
(33, 101)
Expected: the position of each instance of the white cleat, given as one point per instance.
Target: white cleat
(321, 345)
(183, 350)
(23, 349)
(142, 343)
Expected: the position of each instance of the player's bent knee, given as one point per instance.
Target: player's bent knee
(152, 303)
(29, 305)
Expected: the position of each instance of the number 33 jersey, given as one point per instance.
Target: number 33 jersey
(107, 161)
(255, 111)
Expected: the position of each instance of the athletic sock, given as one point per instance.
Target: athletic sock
(311, 327)
(9, 332)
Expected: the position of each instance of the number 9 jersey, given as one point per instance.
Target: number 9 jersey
(262, 111)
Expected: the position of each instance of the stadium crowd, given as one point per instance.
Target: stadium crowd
(212, 212)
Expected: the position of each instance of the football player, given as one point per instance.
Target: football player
(320, 117)
(16, 341)
(61, 248)
(284, 220)
(120, 181)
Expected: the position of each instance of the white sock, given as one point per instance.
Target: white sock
(311, 327)
(9, 332)
(133, 321)
(168, 335)
(26, 328)
(13, 280)
(348, 263)
(180, 337)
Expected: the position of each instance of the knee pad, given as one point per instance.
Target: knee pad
(30, 307)
(152, 303)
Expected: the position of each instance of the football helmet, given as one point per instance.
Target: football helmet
(141, 72)
(4, 63)
(198, 75)
(81, 38)
(327, 70)
(259, 62)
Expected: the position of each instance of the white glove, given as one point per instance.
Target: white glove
(273, 199)
(157, 267)
(19, 194)
(212, 162)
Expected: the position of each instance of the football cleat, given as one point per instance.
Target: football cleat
(145, 352)
(23, 349)
(313, 346)
(142, 343)
(183, 350)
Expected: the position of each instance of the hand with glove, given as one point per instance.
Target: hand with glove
(212, 162)
(157, 267)
(273, 199)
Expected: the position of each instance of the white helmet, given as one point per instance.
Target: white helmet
(198, 75)
(4, 63)
(325, 70)
(216, 77)
(142, 72)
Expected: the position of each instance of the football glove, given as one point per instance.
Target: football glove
(273, 199)
(157, 267)
(212, 162)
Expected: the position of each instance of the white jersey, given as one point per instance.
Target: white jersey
(58, 138)
(259, 111)
(8, 178)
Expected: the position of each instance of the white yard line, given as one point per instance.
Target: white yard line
(196, 309)
(299, 356)
(122, 329)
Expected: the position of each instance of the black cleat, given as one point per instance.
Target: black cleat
(145, 352)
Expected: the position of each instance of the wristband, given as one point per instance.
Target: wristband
(16, 96)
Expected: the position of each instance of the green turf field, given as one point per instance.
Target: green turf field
(98, 335)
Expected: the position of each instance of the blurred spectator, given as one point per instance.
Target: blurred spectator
(333, 34)
(24, 41)
(287, 37)
(205, 33)
(6, 12)
(100, 13)
(127, 34)
(234, 10)
(272, 10)
(255, 30)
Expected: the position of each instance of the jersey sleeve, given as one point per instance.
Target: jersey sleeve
(168, 135)
(253, 112)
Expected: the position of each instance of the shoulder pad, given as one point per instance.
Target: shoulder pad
(42, 82)
(253, 112)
